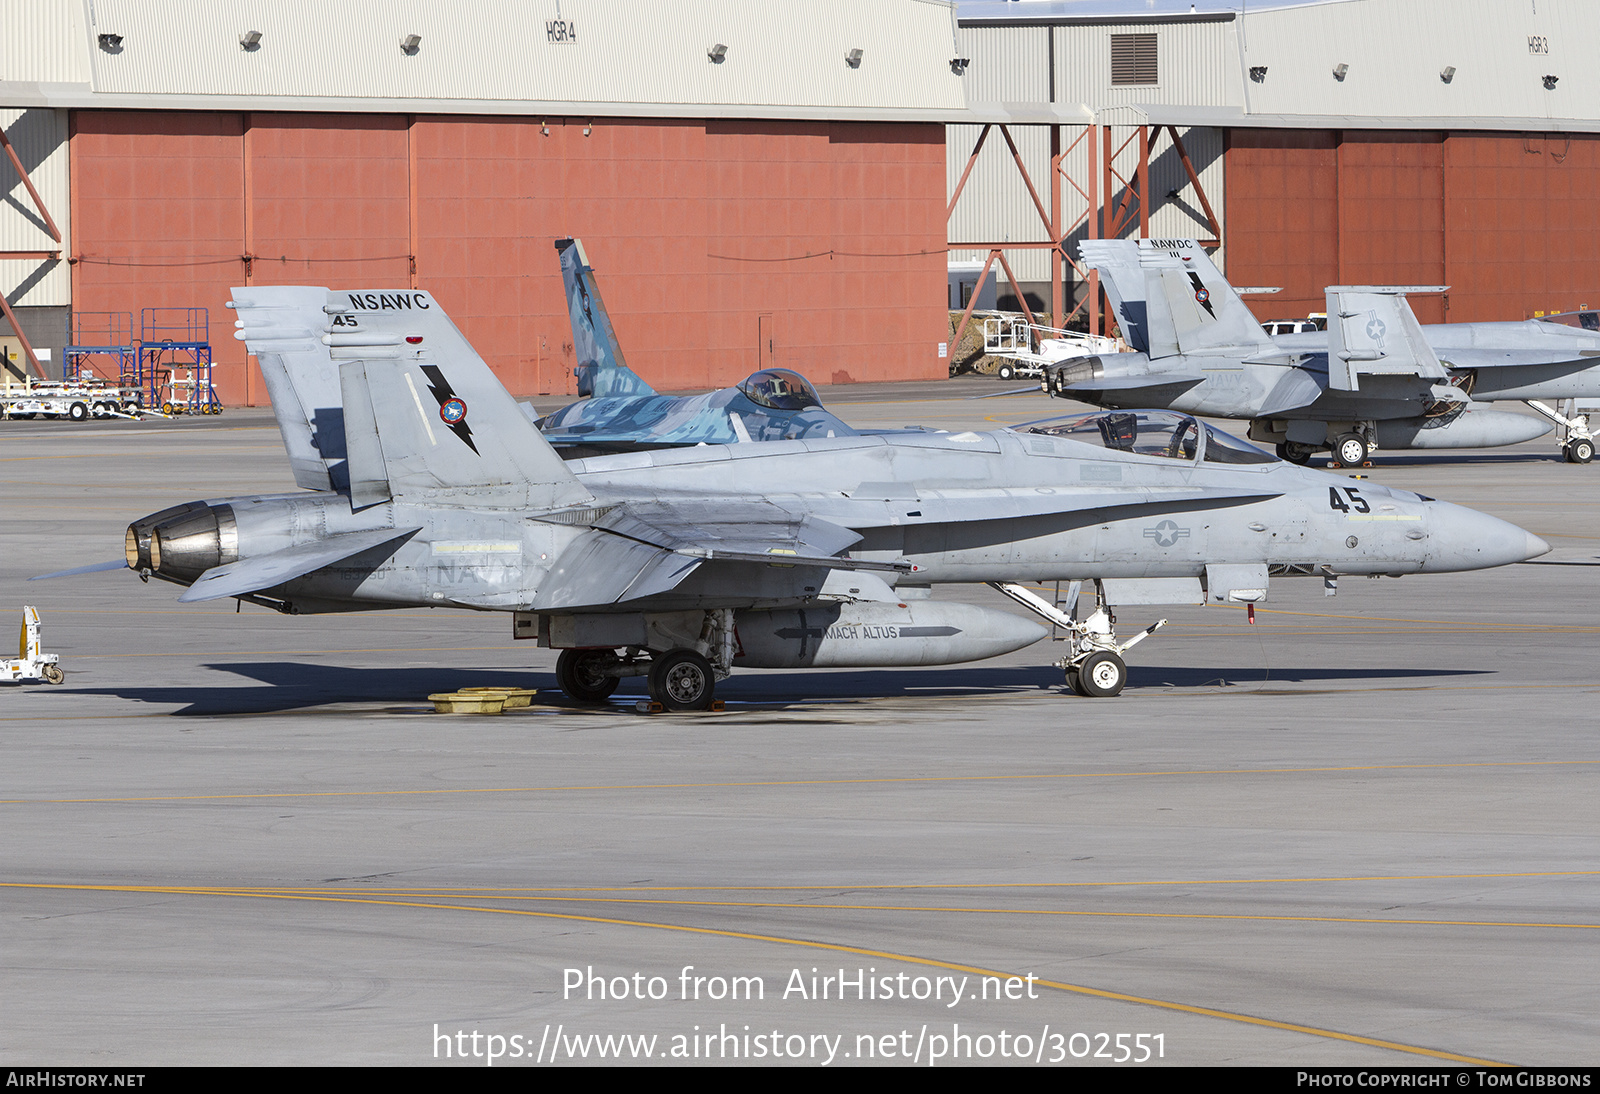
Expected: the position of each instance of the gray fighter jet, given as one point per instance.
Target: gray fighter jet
(1375, 379)
(683, 564)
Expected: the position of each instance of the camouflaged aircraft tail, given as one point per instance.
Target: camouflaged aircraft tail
(600, 369)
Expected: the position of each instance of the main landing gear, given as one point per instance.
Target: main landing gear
(682, 678)
(1094, 665)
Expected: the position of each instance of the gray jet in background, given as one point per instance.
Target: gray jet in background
(683, 564)
(1375, 379)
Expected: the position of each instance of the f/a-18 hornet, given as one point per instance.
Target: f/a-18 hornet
(682, 564)
(1375, 379)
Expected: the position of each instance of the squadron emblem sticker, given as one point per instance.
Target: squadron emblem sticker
(452, 408)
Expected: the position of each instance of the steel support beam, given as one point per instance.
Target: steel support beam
(43, 256)
(1103, 220)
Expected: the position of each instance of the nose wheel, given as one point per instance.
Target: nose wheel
(1098, 676)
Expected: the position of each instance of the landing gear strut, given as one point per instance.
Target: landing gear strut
(1577, 442)
(1094, 665)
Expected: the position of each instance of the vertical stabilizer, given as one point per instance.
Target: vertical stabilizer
(282, 327)
(1206, 314)
(1117, 262)
(601, 370)
(441, 422)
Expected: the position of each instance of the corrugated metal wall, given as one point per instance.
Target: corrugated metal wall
(1011, 64)
(789, 52)
(1008, 65)
(39, 137)
(43, 41)
(707, 235)
(1196, 64)
(1396, 50)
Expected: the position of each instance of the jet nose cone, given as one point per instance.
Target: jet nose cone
(1464, 539)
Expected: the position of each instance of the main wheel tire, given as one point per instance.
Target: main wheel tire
(580, 675)
(1580, 450)
(1102, 675)
(1295, 452)
(52, 674)
(682, 680)
(1350, 450)
(78, 412)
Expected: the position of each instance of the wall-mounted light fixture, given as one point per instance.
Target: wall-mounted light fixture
(717, 53)
(250, 40)
(409, 44)
(111, 43)
(588, 127)
(1258, 73)
(1340, 71)
(853, 58)
(1550, 82)
(958, 65)
(1447, 73)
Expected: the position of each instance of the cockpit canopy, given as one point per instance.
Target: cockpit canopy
(779, 389)
(1162, 433)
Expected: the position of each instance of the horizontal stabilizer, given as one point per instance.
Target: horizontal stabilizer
(602, 568)
(1295, 389)
(250, 575)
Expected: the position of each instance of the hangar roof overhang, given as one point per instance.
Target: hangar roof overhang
(822, 60)
(1231, 117)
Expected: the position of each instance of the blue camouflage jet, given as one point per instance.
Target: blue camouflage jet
(620, 412)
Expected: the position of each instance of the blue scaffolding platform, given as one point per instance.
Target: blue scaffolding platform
(102, 349)
(175, 360)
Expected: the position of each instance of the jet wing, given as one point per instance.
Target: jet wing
(250, 575)
(1501, 358)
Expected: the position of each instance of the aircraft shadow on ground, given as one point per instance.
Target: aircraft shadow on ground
(291, 685)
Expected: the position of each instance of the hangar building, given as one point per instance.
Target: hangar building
(1451, 142)
(756, 184)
